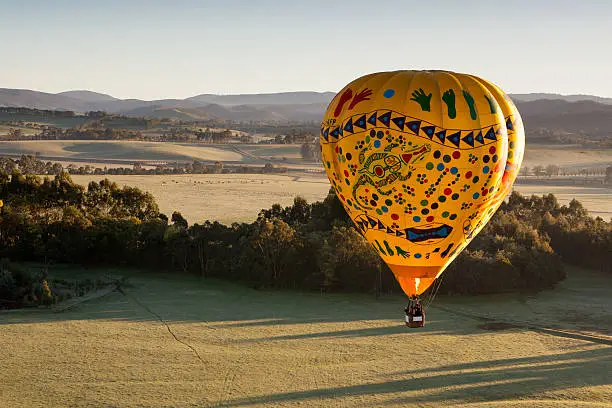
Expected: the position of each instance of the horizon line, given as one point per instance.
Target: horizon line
(268, 93)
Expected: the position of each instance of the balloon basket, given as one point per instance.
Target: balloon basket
(415, 321)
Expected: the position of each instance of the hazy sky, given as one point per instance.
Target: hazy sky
(175, 49)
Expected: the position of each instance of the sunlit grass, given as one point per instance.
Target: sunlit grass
(262, 348)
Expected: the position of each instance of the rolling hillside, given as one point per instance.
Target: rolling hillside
(546, 116)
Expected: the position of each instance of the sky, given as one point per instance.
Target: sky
(150, 49)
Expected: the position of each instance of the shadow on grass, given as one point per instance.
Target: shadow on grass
(479, 381)
(223, 305)
(438, 327)
(191, 299)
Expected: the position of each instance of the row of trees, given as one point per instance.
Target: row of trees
(305, 246)
(554, 170)
(311, 151)
(29, 164)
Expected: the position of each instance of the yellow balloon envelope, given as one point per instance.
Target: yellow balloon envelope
(421, 160)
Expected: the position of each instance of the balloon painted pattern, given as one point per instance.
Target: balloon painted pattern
(421, 160)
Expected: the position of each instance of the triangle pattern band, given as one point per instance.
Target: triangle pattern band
(349, 126)
(399, 122)
(469, 139)
(449, 137)
(361, 122)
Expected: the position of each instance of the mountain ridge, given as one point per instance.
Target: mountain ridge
(281, 106)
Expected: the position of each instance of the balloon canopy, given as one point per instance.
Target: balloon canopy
(420, 161)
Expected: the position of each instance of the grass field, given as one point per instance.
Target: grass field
(186, 342)
(564, 156)
(121, 150)
(239, 197)
(224, 198)
(4, 130)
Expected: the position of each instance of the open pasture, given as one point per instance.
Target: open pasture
(564, 156)
(239, 197)
(129, 151)
(571, 157)
(179, 341)
(225, 198)
(5, 129)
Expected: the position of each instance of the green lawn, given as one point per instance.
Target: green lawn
(176, 341)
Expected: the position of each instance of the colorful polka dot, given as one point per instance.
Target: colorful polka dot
(389, 93)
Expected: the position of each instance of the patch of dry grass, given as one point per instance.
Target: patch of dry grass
(260, 349)
(122, 150)
(566, 156)
(239, 197)
(224, 198)
(4, 130)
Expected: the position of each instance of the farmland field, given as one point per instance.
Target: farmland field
(4, 130)
(564, 156)
(185, 342)
(229, 198)
(225, 198)
(239, 197)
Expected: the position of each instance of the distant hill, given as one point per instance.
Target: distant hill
(39, 100)
(282, 98)
(552, 96)
(88, 96)
(581, 114)
(544, 118)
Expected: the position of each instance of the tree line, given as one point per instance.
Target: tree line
(29, 164)
(302, 246)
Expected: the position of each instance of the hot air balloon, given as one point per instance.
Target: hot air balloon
(421, 160)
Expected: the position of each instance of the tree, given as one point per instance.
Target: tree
(539, 170)
(552, 170)
(272, 247)
(179, 220)
(306, 151)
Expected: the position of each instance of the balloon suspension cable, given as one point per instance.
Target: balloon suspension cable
(432, 296)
